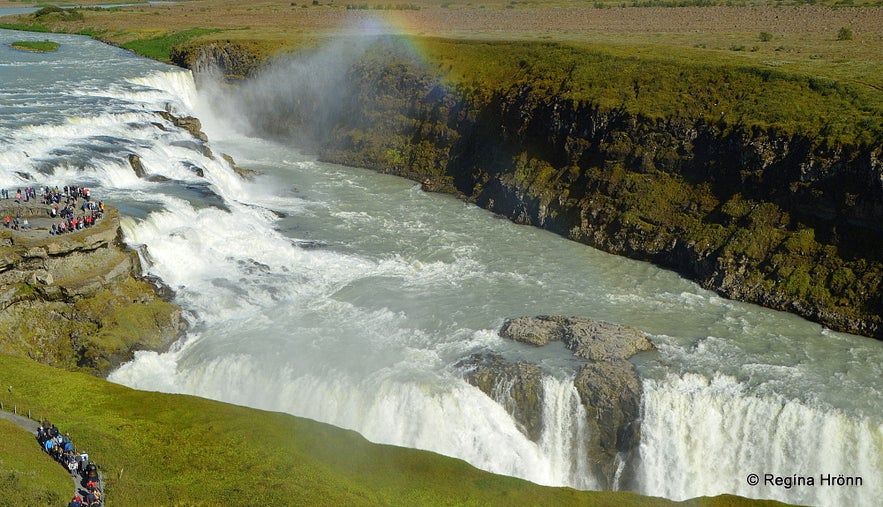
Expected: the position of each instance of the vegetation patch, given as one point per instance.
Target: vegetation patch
(659, 87)
(27, 475)
(56, 13)
(36, 46)
(160, 47)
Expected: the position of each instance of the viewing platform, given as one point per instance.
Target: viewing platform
(74, 263)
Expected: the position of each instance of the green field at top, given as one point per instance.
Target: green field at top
(810, 68)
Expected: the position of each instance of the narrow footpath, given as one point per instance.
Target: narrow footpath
(78, 478)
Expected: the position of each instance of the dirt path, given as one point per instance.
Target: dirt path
(24, 422)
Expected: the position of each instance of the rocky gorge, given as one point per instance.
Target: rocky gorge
(786, 219)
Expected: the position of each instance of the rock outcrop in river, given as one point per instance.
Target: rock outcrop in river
(607, 383)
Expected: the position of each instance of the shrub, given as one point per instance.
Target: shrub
(844, 34)
(49, 9)
(766, 36)
(55, 12)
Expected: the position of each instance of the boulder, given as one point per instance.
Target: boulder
(188, 123)
(587, 338)
(516, 386)
(246, 174)
(42, 277)
(137, 166)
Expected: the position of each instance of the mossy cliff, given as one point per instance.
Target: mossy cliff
(77, 300)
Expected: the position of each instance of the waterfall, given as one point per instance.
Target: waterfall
(565, 432)
(363, 329)
(704, 437)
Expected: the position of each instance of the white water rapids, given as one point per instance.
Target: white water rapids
(349, 297)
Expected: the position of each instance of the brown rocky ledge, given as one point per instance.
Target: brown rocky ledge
(77, 300)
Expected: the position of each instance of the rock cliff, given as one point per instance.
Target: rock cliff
(787, 222)
(607, 383)
(77, 300)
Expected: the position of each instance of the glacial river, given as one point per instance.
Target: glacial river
(349, 297)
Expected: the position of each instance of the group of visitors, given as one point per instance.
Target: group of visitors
(66, 193)
(63, 204)
(71, 205)
(20, 196)
(60, 447)
(18, 223)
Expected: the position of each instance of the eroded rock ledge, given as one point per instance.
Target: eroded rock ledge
(78, 300)
(608, 385)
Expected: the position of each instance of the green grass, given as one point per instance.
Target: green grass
(26, 27)
(159, 48)
(27, 475)
(655, 86)
(182, 450)
(36, 46)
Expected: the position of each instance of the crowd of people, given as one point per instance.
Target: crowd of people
(64, 203)
(71, 208)
(60, 448)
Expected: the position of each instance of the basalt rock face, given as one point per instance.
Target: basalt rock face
(77, 300)
(233, 61)
(607, 383)
(517, 386)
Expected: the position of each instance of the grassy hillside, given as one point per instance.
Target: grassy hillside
(658, 86)
(180, 450)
